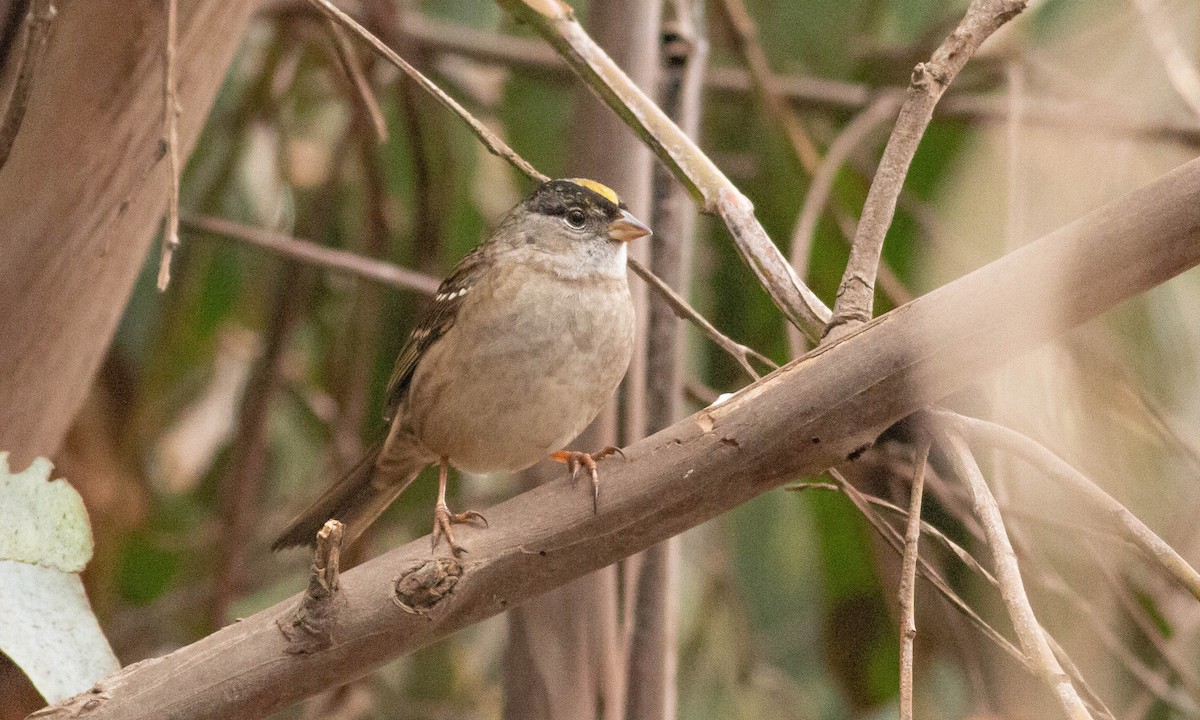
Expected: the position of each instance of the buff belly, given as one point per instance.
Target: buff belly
(524, 384)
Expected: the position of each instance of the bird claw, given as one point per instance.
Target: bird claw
(443, 519)
(576, 459)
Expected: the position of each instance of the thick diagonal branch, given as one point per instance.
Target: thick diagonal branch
(805, 417)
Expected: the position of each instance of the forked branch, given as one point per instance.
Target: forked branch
(856, 295)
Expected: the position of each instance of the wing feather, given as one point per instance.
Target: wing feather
(435, 321)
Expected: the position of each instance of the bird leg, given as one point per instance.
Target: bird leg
(443, 519)
(575, 459)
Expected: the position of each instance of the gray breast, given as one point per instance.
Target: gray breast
(516, 380)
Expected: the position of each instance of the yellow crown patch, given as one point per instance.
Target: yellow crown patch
(603, 191)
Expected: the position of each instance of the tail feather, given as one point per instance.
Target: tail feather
(359, 497)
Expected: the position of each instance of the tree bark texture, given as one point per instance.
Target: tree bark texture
(84, 191)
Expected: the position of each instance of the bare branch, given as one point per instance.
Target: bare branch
(1132, 529)
(170, 144)
(812, 92)
(653, 615)
(490, 139)
(358, 78)
(864, 504)
(765, 85)
(684, 311)
(1012, 589)
(908, 582)
(311, 253)
(881, 110)
(856, 295)
(555, 22)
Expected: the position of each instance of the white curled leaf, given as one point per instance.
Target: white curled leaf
(46, 624)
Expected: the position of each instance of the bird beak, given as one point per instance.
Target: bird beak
(627, 228)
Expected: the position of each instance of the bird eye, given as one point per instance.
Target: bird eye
(575, 218)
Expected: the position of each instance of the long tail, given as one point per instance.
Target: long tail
(356, 500)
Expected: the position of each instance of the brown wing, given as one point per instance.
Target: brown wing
(437, 318)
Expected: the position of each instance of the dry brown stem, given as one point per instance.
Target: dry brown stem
(351, 63)
(170, 143)
(803, 418)
(766, 86)
(310, 253)
(1131, 528)
(1012, 589)
(881, 110)
(856, 295)
(490, 139)
(684, 311)
(819, 93)
(653, 618)
(865, 504)
(908, 581)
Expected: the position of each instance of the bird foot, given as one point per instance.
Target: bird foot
(576, 459)
(443, 519)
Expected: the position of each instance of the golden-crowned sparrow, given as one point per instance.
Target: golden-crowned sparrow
(524, 342)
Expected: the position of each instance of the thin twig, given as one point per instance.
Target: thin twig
(882, 109)
(856, 294)
(684, 311)
(38, 21)
(489, 138)
(865, 504)
(555, 22)
(311, 253)
(1181, 70)
(893, 538)
(1132, 529)
(908, 582)
(1138, 613)
(955, 549)
(1157, 685)
(170, 144)
(812, 92)
(351, 63)
(765, 85)
(1029, 632)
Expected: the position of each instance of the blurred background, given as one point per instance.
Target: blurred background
(227, 403)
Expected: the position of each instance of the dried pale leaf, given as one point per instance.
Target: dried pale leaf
(46, 625)
(47, 628)
(42, 522)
